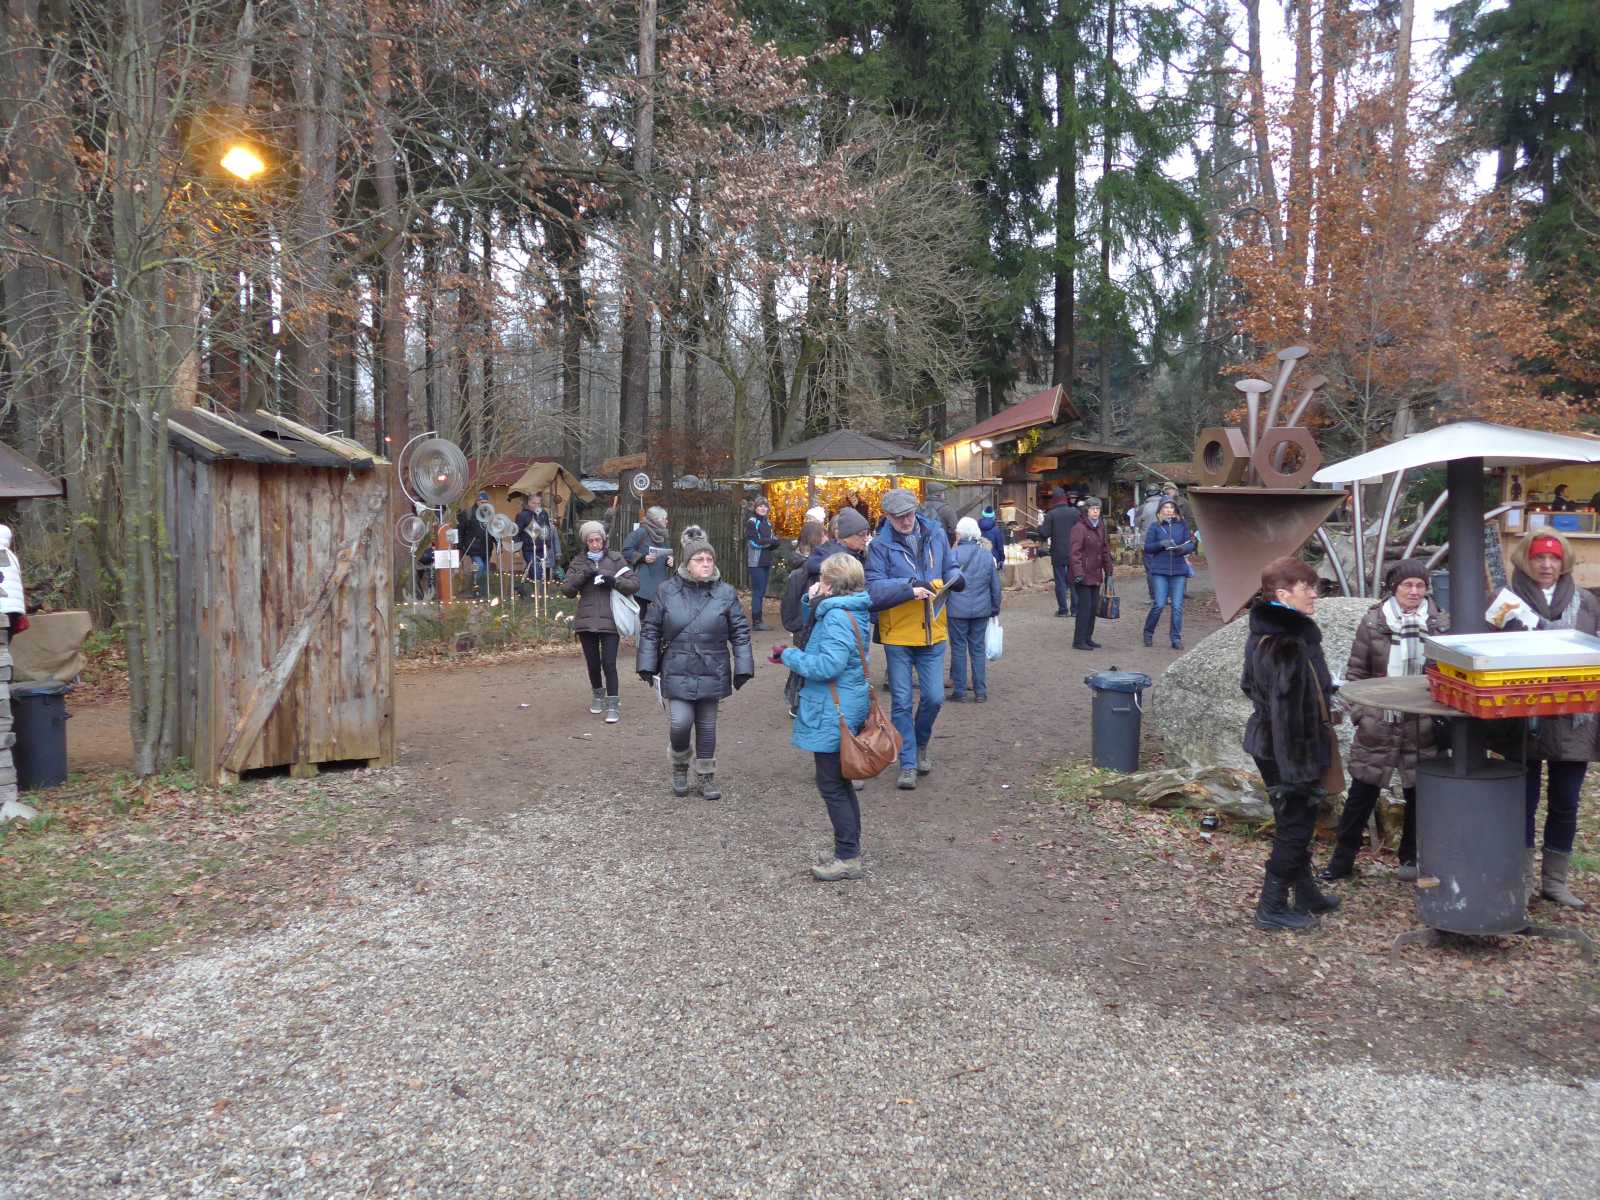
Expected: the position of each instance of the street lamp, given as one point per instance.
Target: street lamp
(985, 444)
(243, 162)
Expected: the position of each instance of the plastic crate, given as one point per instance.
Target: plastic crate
(1566, 522)
(1527, 675)
(1515, 700)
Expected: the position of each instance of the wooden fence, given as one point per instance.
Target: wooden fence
(724, 526)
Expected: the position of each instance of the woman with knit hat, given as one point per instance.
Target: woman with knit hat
(1564, 746)
(648, 551)
(696, 638)
(591, 575)
(1388, 643)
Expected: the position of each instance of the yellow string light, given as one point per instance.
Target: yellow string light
(789, 498)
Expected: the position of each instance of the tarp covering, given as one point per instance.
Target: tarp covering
(1497, 445)
(558, 484)
(51, 647)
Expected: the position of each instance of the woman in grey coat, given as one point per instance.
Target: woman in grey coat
(970, 610)
(648, 552)
(697, 639)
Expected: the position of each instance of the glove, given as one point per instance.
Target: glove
(1077, 580)
(776, 657)
(601, 581)
(739, 681)
(647, 678)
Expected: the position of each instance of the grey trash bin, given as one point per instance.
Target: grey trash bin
(1439, 582)
(1117, 711)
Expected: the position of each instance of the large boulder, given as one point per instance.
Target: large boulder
(1196, 705)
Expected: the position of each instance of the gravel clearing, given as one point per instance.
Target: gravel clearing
(606, 998)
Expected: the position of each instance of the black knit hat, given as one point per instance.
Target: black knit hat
(1406, 568)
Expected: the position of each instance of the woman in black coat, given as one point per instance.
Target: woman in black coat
(696, 638)
(1291, 691)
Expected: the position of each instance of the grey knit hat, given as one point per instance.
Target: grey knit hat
(694, 542)
(849, 523)
(897, 502)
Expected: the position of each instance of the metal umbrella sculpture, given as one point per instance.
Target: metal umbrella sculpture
(433, 473)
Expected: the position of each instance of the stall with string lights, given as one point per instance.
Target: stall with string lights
(834, 470)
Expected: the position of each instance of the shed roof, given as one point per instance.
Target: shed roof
(262, 437)
(843, 445)
(1047, 407)
(23, 479)
(502, 472)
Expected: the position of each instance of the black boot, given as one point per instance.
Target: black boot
(1341, 864)
(1308, 897)
(1273, 911)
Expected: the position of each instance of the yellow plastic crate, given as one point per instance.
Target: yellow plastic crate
(1525, 676)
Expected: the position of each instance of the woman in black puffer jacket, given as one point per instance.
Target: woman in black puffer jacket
(696, 637)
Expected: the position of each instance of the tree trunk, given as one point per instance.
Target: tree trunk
(633, 415)
(1399, 225)
(1107, 164)
(314, 77)
(1265, 176)
(1064, 349)
(1300, 119)
(1333, 58)
(397, 412)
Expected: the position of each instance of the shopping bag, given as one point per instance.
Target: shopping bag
(625, 613)
(1110, 602)
(994, 640)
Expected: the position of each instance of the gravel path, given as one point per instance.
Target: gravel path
(613, 993)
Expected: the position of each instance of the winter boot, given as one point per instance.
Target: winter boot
(1530, 876)
(1341, 864)
(1308, 897)
(598, 704)
(837, 869)
(1554, 884)
(613, 709)
(680, 772)
(1273, 911)
(705, 770)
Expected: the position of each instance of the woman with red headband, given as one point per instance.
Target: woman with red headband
(1563, 746)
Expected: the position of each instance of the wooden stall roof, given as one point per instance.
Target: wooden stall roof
(1052, 406)
(842, 445)
(23, 479)
(262, 437)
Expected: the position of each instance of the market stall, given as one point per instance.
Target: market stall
(1559, 496)
(831, 470)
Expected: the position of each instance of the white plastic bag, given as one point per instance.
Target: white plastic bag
(625, 611)
(994, 640)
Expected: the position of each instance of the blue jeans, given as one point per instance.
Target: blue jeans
(844, 808)
(480, 575)
(1164, 590)
(758, 591)
(1561, 803)
(1063, 586)
(928, 662)
(967, 642)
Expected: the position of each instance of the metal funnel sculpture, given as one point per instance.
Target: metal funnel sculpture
(1245, 528)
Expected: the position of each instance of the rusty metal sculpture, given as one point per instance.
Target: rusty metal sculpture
(1254, 505)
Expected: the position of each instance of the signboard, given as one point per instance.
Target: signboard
(447, 560)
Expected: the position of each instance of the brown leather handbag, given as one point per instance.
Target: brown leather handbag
(865, 755)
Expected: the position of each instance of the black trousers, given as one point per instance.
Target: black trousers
(600, 654)
(698, 717)
(844, 809)
(1088, 601)
(1359, 802)
(1294, 811)
(1063, 581)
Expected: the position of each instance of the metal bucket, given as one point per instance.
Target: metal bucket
(1469, 839)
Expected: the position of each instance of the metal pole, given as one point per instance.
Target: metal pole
(1333, 557)
(1468, 591)
(1358, 538)
(1383, 530)
(1427, 519)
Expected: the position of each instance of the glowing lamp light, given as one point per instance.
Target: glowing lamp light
(242, 162)
(985, 444)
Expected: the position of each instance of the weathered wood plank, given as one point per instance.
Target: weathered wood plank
(265, 695)
(279, 572)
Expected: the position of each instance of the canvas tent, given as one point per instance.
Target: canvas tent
(559, 485)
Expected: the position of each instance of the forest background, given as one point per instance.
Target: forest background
(701, 228)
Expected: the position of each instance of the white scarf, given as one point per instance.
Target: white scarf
(1405, 644)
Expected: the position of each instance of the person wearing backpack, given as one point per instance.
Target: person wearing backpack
(970, 610)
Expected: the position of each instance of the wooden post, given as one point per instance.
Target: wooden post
(443, 581)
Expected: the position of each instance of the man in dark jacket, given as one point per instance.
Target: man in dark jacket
(1057, 530)
(536, 537)
(849, 537)
(850, 532)
(760, 544)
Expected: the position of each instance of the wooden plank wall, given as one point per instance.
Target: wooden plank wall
(274, 536)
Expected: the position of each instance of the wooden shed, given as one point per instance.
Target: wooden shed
(285, 652)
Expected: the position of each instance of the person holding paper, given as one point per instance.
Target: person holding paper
(591, 575)
(909, 565)
(1543, 595)
(648, 552)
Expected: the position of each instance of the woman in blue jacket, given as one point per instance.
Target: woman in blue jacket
(1167, 546)
(833, 664)
(970, 610)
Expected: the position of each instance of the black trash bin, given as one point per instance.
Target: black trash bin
(39, 719)
(1115, 717)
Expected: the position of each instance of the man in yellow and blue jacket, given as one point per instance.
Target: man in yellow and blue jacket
(907, 563)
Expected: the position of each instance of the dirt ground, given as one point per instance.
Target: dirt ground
(1137, 904)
